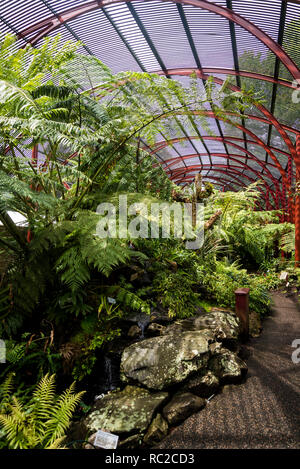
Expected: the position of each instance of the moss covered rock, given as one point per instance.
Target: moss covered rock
(124, 412)
(157, 431)
(161, 362)
(181, 407)
(203, 385)
(220, 324)
(228, 367)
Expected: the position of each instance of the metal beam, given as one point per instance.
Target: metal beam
(235, 60)
(53, 23)
(53, 11)
(277, 66)
(198, 63)
(161, 63)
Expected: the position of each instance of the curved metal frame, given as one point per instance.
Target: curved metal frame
(45, 26)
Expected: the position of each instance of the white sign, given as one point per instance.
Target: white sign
(111, 300)
(106, 440)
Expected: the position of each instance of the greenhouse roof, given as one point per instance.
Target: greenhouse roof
(253, 41)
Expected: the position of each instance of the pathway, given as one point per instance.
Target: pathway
(263, 412)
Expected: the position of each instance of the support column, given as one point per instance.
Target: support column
(290, 195)
(297, 206)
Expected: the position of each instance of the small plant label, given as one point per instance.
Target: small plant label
(111, 300)
(106, 440)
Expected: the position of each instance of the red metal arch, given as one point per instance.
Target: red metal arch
(265, 166)
(235, 174)
(229, 71)
(160, 145)
(45, 26)
(230, 170)
(222, 181)
(252, 135)
(227, 139)
(222, 155)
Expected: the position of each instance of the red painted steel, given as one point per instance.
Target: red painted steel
(297, 207)
(221, 155)
(160, 145)
(226, 71)
(34, 155)
(216, 167)
(47, 25)
(247, 131)
(227, 139)
(264, 166)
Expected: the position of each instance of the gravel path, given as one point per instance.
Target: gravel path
(263, 412)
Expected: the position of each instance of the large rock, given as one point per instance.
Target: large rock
(223, 324)
(228, 367)
(123, 412)
(203, 386)
(161, 362)
(157, 431)
(181, 407)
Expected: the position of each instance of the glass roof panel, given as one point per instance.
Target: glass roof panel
(154, 35)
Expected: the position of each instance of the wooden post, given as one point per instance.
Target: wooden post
(242, 309)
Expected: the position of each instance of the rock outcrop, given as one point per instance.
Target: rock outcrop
(124, 412)
(160, 362)
(227, 366)
(203, 385)
(169, 376)
(181, 407)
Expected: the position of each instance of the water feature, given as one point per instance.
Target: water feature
(109, 374)
(143, 323)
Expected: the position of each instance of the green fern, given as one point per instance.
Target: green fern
(128, 299)
(42, 423)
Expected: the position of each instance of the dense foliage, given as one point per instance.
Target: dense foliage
(64, 291)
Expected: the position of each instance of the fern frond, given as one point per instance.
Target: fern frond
(127, 298)
(61, 415)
